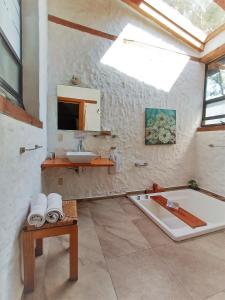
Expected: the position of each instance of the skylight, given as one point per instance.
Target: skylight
(193, 21)
(171, 26)
(196, 16)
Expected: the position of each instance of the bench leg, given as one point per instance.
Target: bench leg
(39, 247)
(74, 253)
(28, 261)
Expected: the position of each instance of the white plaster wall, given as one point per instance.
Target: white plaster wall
(210, 162)
(123, 102)
(20, 180)
(20, 177)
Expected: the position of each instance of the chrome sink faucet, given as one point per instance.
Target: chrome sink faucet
(80, 146)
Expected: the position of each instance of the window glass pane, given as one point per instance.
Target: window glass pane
(205, 15)
(10, 97)
(215, 109)
(215, 79)
(214, 122)
(10, 23)
(9, 68)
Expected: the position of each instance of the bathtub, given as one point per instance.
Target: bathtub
(207, 208)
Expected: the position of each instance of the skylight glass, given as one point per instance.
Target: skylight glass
(198, 17)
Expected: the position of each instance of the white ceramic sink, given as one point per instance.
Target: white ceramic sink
(81, 157)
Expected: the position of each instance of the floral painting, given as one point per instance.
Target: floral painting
(160, 126)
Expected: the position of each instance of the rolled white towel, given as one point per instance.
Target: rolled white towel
(38, 210)
(54, 208)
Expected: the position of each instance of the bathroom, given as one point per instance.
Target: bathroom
(118, 56)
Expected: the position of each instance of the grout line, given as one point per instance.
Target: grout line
(135, 251)
(106, 263)
(110, 275)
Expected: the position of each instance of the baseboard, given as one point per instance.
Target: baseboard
(212, 194)
(172, 188)
(101, 197)
(127, 194)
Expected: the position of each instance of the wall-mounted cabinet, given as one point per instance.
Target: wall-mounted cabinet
(78, 108)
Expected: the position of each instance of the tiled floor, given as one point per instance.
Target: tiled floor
(123, 255)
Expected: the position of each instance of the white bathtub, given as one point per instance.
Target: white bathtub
(207, 208)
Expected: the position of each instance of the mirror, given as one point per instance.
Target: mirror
(78, 108)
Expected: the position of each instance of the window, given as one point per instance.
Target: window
(214, 102)
(10, 51)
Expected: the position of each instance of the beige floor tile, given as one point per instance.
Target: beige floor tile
(89, 250)
(82, 204)
(107, 214)
(123, 200)
(145, 264)
(120, 239)
(202, 272)
(84, 218)
(152, 233)
(94, 280)
(40, 266)
(132, 211)
(143, 276)
(213, 243)
(220, 296)
(104, 202)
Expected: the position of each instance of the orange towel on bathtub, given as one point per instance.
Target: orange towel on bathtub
(180, 213)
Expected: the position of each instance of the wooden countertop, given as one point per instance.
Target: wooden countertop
(66, 163)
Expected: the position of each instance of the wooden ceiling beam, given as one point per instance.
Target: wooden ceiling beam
(105, 35)
(137, 2)
(213, 34)
(211, 56)
(82, 28)
(133, 4)
(221, 3)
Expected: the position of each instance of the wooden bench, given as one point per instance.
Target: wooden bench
(31, 234)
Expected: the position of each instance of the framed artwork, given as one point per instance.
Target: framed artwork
(160, 126)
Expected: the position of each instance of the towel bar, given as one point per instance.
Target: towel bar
(141, 164)
(216, 146)
(23, 149)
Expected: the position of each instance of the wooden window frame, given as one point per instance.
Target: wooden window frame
(81, 103)
(211, 127)
(14, 111)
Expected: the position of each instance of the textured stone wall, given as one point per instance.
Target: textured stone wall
(210, 162)
(124, 99)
